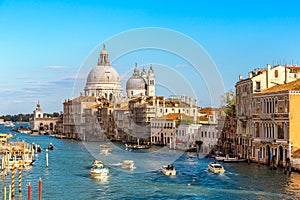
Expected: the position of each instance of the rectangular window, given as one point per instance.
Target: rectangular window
(257, 88)
(276, 74)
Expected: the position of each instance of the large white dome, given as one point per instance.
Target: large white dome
(103, 74)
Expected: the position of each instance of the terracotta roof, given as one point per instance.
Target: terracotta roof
(294, 85)
(172, 116)
(84, 99)
(93, 106)
(293, 67)
(207, 110)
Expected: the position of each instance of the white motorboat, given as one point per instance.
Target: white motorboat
(215, 167)
(98, 171)
(9, 124)
(168, 170)
(105, 147)
(128, 164)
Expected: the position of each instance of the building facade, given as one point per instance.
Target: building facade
(143, 109)
(42, 123)
(276, 120)
(74, 118)
(258, 80)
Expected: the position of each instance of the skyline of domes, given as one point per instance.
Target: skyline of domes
(104, 81)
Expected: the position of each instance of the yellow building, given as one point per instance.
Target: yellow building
(276, 123)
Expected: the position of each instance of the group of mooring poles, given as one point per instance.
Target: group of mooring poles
(11, 189)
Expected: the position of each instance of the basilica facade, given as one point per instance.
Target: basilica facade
(104, 81)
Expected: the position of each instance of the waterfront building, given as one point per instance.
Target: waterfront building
(276, 120)
(227, 134)
(208, 134)
(42, 123)
(141, 84)
(74, 120)
(143, 109)
(258, 80)
(121, 118)
(186, 134)
(163, 128)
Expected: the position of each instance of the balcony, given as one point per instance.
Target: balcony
(266, 116)
(281, 141)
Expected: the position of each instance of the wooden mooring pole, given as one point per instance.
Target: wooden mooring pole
(40, 189)
(13, 180)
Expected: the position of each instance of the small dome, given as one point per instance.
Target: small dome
(136, 83)
(103, 74)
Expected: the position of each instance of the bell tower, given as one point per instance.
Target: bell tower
(151, 82)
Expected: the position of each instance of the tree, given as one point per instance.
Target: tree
(229, 102)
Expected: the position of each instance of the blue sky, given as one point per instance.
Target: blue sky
(44, 43)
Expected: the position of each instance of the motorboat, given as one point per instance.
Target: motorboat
(4, 137)
(50, 146)
(127, 164)
(220, 158)
(236, 159)
(24, 130)
(9, 124)
(215, 167)
(168, 170)
(98, 171)
(138, 146)
(105, 147)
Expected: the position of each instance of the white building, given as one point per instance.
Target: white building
(42, 123)
(208, 134)
(186, 136)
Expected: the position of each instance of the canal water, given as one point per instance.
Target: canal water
(67, 176)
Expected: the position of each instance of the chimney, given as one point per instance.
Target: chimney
(250, 74)
(240, 77)
(191, 102)
(186, 99)
(285, 75)
(267, 75)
